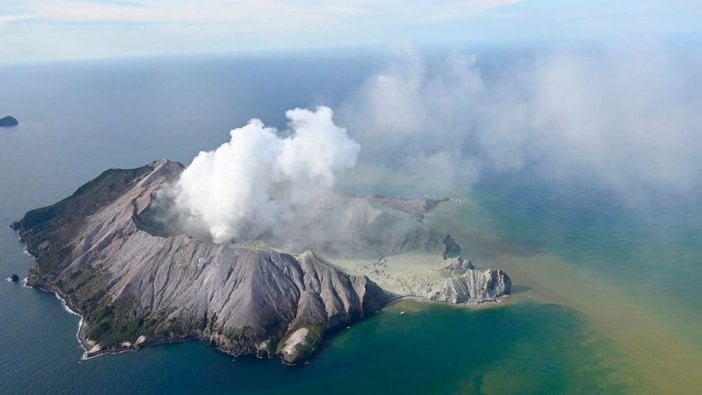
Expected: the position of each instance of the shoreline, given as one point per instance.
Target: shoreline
(395, 298)
(466, 305)
(87, 355)
(82, 342)
(81, 323)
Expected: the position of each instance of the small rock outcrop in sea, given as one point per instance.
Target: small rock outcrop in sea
(8, 121)
(461, 282)
(14, 278)
(470, 286)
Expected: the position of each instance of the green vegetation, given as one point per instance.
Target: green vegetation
(312, 340)
(311, 344)
(112, 324)
(48, 233)
(56, 224)
(109, 330)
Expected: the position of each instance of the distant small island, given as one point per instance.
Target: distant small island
(8, 121)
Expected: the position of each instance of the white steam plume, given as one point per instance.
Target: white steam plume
(258, 180)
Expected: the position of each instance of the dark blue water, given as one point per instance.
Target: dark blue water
(78, 119)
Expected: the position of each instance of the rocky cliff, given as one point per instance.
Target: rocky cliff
(464, 284)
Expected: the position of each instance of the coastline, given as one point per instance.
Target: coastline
(402, 274)
(80, 332)
(80, 335)
(88, 354)
(500, 300)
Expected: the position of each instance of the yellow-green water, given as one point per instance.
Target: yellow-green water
(655, 336)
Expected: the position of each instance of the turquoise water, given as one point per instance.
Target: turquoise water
(650, 250)
(585, 223)
(525, 348)
(78, 119)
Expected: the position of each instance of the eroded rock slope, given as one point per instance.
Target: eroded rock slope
(134, 288)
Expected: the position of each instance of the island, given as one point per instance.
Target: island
(8, 121)
(136, 281)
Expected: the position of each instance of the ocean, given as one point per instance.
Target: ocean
(606, 297)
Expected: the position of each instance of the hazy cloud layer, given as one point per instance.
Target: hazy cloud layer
(40, 30)
(248, 12)
(626, 118)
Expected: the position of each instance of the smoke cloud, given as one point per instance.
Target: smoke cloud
(628, 119)
(259, 180)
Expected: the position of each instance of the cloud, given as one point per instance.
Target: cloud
(273, 14)
(457, 10)
(6, 19)
(34, 30)
(230, 12)
(625, 118)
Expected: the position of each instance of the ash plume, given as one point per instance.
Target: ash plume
(259, 181)
(626, 118)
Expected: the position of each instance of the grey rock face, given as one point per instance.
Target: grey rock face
(136, 288)
(462, 283)
(473, 286)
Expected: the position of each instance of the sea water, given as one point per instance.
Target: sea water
(606, 299)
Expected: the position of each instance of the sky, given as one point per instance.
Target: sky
(50, 30)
